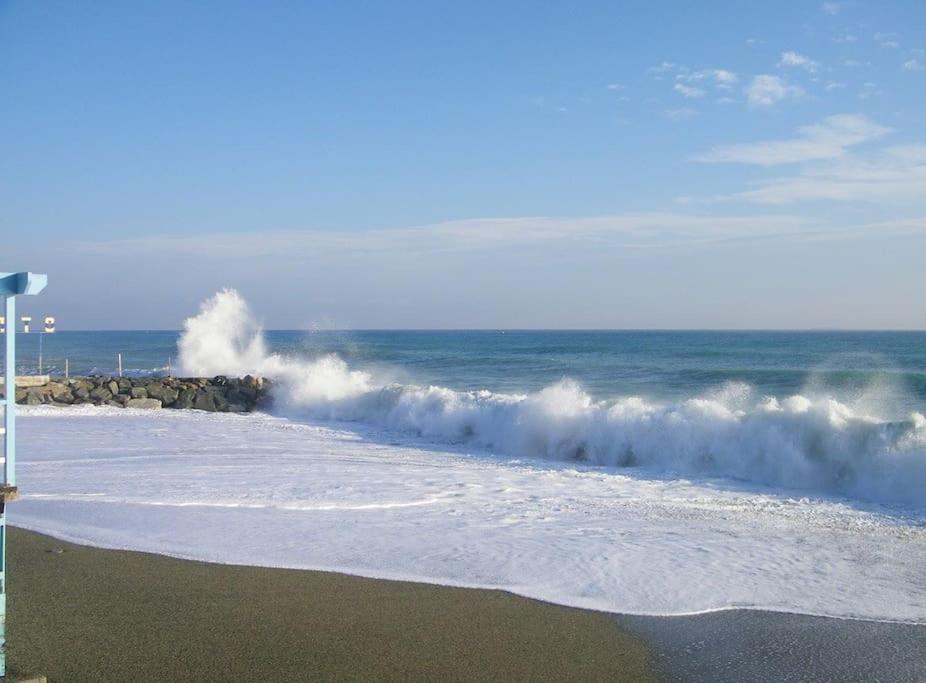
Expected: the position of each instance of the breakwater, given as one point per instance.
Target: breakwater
(214, 394)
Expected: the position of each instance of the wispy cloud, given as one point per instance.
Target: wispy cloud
(913, 65)
(894, 174)
(765, 90)
(833, 8)
(664, 67)
(721, 78)
(653, 229)
(887, 40)
(794, 59)
(869, 90)
(826, 140)
(650, 230)
(680, 114)
(688, 91)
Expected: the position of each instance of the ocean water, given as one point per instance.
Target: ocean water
(884, 367)
(640, 472)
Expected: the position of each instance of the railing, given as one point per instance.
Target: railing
(60, 367)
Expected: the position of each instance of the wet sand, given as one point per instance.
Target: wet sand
(749, 645)
(78, 614)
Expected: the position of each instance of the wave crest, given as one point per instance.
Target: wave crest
(802, 442)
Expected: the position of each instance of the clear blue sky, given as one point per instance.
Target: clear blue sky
(634, 164)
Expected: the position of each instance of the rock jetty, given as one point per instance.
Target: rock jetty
(217, 394)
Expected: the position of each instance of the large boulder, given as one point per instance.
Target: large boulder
(242, 396)
(165, 394)
(221, 403)
(144, 403)
(185, 399)
(80, 389)
(101, 394)
(60, 393)
(205, 400)
(139, 392)
(252, 382)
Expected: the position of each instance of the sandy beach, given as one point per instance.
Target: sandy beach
(84, 614)
(752, 645)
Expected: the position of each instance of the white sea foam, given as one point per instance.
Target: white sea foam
(815, 443)
(265, 490)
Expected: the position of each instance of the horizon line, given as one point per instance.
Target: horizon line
(516, 329)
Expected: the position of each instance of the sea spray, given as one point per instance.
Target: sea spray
(816, 443)
(226, 339)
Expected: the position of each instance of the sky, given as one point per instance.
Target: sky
(468, 165)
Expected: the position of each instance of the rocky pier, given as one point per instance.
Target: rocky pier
(216, 394)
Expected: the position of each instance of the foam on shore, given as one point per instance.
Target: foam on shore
(267, 491)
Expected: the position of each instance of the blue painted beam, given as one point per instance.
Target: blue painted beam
(13, 284)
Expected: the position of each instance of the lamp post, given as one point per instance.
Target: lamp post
(11, 286)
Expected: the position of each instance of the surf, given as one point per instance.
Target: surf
(816, 443)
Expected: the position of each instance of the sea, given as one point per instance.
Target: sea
(643, 472)
(889, 367)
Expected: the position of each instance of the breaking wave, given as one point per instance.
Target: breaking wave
(819, 443)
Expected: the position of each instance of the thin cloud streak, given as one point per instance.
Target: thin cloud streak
(897, 174)
(630, 231)
(826, 140)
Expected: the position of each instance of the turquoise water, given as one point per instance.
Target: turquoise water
(888, 368)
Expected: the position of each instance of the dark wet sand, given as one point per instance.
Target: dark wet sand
(748, 645)
(84, 614)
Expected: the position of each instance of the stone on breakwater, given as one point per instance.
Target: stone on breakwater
(185, 399)
(165, 394)
(205, 400)
(147, 403)
(59, 392)
(101, 393)
(217, 394)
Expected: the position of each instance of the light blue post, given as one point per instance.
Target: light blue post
(9, 455)
(11, 286)
(9, 390)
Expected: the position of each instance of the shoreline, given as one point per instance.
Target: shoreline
(377, 628)
(426, 581)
